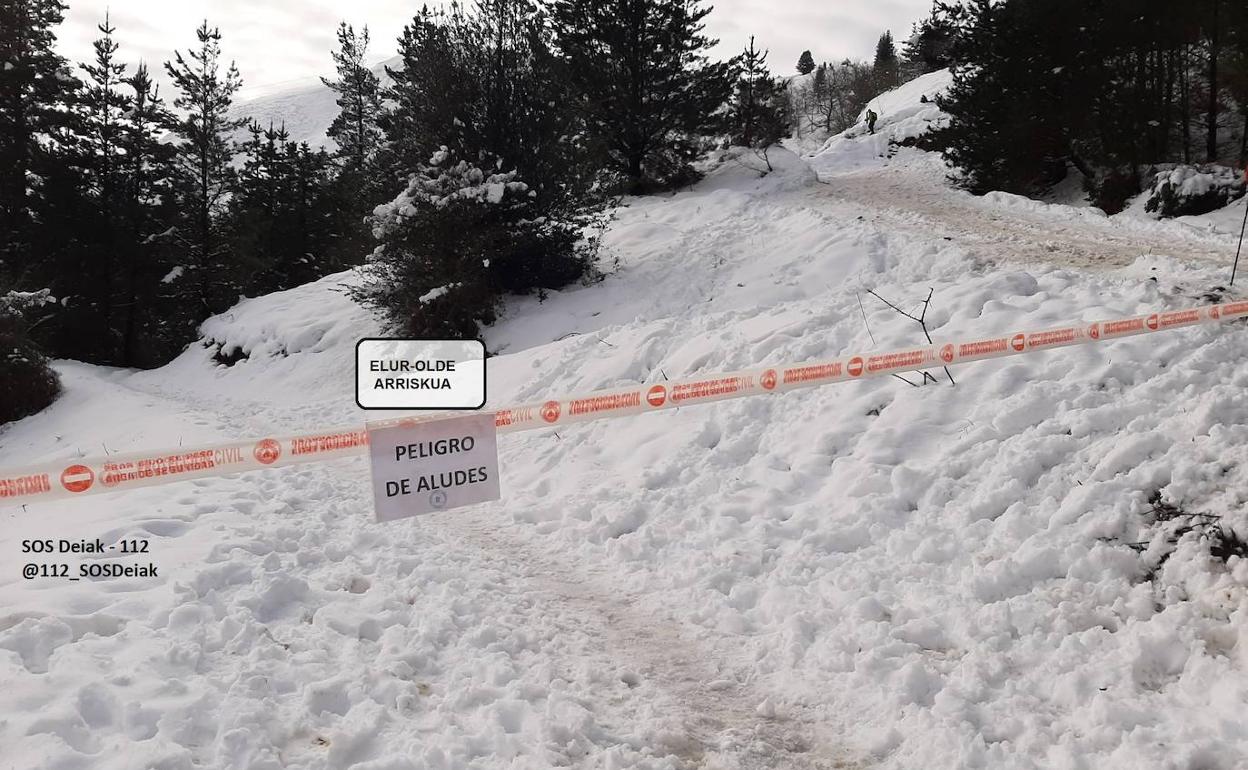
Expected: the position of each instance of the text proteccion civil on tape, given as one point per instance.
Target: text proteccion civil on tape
(87, 476)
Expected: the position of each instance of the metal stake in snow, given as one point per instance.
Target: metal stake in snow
(1242, 227)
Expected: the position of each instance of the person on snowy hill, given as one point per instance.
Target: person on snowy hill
(871, 118)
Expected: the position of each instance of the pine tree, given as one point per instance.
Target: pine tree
(205, 149)
(887, 67)
(36, 99)
(1004, 117)
(805, 63)
(428, 91)
(153, 324)
(87, 322)
(360, 183)
(1108, 88)
(114, 208)
(358, 91)
(929, 45)
(282, 219)
(35, 91)
(644, 80)
(504, 187)
(759, 114)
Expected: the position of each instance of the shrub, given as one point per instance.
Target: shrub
(456, 240)
(27, 383)
(1191, 191)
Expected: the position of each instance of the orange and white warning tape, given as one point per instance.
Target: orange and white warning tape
(87, 476)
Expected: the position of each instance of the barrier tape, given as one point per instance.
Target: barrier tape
(79, 478)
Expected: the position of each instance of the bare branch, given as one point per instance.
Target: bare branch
(920, 319)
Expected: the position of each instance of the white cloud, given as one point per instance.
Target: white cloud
(276, 43)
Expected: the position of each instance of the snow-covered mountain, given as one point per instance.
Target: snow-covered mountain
(305, 108)
(869, 574)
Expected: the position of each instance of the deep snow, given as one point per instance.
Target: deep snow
(869, 573)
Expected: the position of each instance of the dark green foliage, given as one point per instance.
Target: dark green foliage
(94, 226)
(454, 242)
(1168, 198)
(758, 116)
(27, 383)
(151, 323)
(644, 82)
(205, 91)
(358, 91)
(135, 218)
(805, 63)
(114, 244)
(503, 185)
(35, 86)
(887, 67)
(997, 136)
(929, 47)
(282, 219)
(1108, 88)
(360, 182)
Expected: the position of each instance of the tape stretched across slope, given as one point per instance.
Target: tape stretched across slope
(87, 476)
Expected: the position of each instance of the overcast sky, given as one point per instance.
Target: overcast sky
(278, 42)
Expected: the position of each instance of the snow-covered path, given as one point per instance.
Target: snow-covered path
(911, 198)
(644, 690)
(908, 192)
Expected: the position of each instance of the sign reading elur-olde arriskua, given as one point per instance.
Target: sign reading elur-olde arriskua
(419, 374)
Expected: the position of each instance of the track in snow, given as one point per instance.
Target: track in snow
(900, 199)
(573, 619)
(719, 721)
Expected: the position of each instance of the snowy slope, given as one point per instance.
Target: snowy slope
(869, 573)
(305, 109)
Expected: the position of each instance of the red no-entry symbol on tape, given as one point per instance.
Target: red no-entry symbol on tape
(77, 478)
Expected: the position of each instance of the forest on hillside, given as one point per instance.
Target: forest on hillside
(490, 163)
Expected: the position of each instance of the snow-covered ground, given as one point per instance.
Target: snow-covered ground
(864, 575)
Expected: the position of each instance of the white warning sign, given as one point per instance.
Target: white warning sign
(423, 466)
(419, 374)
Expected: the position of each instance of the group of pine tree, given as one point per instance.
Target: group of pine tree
(1110, 89)
(128, 215)
(487, 162)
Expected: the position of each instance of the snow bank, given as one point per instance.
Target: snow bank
(903, 116)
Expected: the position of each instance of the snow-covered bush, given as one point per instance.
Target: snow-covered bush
(461, 235)
(1191, 190)
(504, 178)
(27, 383)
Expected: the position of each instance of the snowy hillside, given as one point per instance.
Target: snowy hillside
(305, 109)
(863, 575)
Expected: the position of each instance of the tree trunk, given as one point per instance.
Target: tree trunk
(1185, 93)
(634, 169)
(1211, 137)
(1243, 142)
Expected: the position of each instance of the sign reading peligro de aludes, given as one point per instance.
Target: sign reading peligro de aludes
(424, 465)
